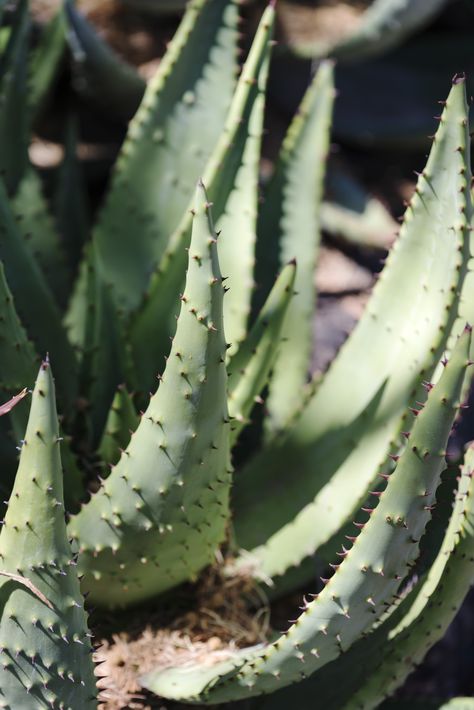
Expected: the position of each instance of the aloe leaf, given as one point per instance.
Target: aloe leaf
(466, 312)
(163, 509)
(357, 665)
(45, 62)
(14, 114)
(365, 581)
(121, 423)
(17, 354)
(151, 328)
(77, 316)
(105, 359)
(71, 209)
(250, 367)
(415, 74)
(385, 24)
(19, 366)
(435, 606)
(167, 146)
(289, 223)
(99, 73)
(96, 330)
(36, 224)
(34, 301)
(237, 220)
(355, 216)
(39, 587)
(329, 444)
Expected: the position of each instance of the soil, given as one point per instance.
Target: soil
(218, 614)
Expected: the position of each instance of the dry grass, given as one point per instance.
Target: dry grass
(224, 614)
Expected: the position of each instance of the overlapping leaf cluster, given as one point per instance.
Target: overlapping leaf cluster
(169, 259)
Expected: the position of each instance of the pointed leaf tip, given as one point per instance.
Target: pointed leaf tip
(459, 78)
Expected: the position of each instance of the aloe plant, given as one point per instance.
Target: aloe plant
(156, 421)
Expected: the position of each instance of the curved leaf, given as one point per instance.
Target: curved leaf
(345, 430)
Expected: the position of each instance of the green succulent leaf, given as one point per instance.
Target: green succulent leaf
(71, 209)
(223, 174)
(289, 224)
(121, 423)
(366, 579)
(250, 367)
(19, 361)
(353, 215)
(357, 665)
(45, 62)
(168, 144)
(37, 227)
(345, 430)
(14, 114)
(106, 359)
(435, 606)
(19, 364)
(163, 510)
(458, 704)
(100, 75)
(34, 300)
(46, 649)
